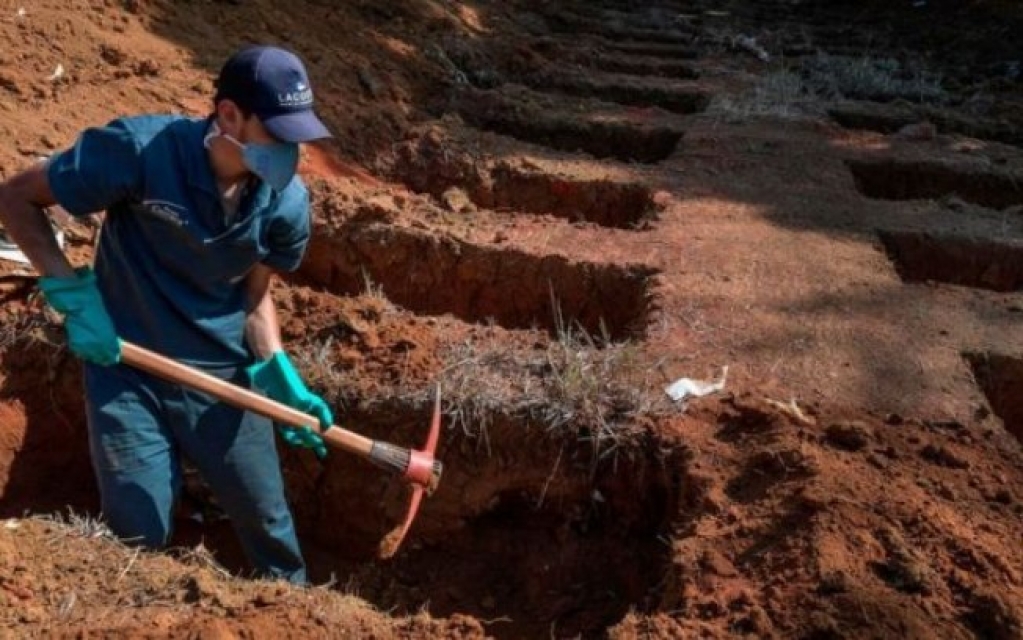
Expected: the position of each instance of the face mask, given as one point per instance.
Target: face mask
(275, 163)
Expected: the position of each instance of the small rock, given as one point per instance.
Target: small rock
(112, 55)
(716, 563)
(917, 132)
(876, 461)
(946, 492)
(850, 436)
(500, 237)
(946, 425)
(457, 201)
(710, 610)
(954, 203)
(943, 457)
(147, 68)
(903, 570)
(834, 582)
(758, 622)
(10, 84)
(265, 599)
(907, 575)
(893, 419)
(823, 625)
(370, 83)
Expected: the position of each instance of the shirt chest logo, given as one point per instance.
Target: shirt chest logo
(165, 210)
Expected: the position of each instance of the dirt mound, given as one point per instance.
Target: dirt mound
(120, 592)
(553, 211)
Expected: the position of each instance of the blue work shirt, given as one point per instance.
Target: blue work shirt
(170, 266)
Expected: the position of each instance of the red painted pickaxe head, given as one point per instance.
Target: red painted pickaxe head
(419, 468)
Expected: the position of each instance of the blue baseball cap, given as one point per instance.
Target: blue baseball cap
(273, 84)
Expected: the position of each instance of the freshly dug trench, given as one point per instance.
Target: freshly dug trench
(890, 179)
(573, 23)
(645, 66)
(647, 35)
(642, 92)
(604, 202)
(599, 139)
(887, 118)
(517, 531)
(433, 274)
(514, 531)
(431, 168)
(44, 455)
(960, 260)
(537, 123)
(1001, 378)
(650, 17)
(655, 50)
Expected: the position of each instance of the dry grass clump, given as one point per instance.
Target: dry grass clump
(870, 78)
(577, 383)
(29, 325)
(802, 90)
(780, 93)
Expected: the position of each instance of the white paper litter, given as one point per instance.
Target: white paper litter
(21, 12)
(748, 44)
(57, 74)
(684, 388)
(11, 524)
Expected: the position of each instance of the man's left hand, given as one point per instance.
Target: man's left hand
(280, 381)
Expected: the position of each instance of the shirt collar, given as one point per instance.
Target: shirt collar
(197, 161)
(200, 171)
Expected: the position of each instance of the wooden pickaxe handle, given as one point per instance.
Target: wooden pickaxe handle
(417, 467)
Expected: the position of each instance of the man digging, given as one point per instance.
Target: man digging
(199, 214)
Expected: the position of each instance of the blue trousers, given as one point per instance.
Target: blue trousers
(139, 426)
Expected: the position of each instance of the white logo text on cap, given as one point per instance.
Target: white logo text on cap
(302, 96)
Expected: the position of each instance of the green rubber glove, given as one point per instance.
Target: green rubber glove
(90, 332)
(279, 380)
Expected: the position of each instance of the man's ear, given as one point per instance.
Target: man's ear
(230, 118)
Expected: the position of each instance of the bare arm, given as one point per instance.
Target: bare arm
(262, 330)
(21, 201)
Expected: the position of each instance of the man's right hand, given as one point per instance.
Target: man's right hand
(90, 332)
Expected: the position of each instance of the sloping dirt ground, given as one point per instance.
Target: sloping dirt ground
(554, 210)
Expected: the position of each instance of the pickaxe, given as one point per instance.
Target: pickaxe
(418, 467)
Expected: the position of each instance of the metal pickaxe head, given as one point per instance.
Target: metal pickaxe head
(419, 468)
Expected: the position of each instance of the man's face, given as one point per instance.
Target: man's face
(233, 122)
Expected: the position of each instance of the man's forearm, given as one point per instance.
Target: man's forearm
(26, 224)
(262, 330)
